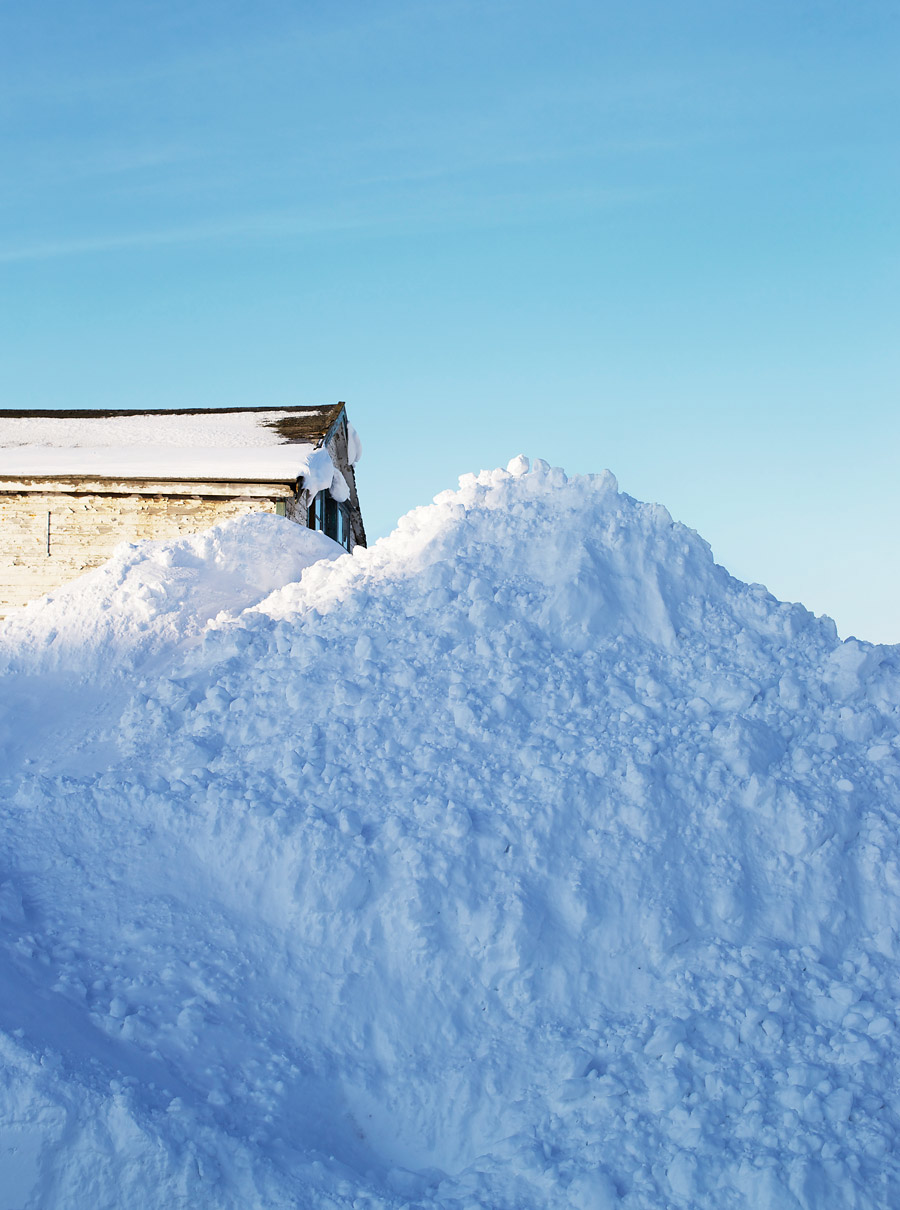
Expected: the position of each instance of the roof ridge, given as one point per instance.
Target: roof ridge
(112, 413)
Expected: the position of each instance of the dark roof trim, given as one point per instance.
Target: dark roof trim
(65, 477)
(298, 427)
(99, 414)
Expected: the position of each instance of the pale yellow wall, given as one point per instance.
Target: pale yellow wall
(84, 530)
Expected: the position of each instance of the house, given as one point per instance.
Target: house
(75, 484)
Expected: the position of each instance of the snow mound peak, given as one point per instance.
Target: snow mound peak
(584, 561)
(525, 859)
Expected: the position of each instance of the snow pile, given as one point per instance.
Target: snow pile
(523, 860)
(152, 597)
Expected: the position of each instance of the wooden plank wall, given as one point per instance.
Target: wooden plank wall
(85, 529)
(337, 448)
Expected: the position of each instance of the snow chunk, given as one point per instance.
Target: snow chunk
(338, 487)
(354, 445)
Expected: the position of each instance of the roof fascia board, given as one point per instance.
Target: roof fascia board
(118, 486)
(100, 414)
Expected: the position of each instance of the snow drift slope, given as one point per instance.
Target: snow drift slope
(524, 860)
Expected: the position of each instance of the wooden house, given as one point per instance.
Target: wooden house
(75, 484)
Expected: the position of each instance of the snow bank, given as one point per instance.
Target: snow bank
(152, 597)
(526, 859)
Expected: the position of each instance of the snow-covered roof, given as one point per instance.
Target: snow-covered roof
(253, 444)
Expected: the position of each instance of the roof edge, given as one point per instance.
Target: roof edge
(102, 413)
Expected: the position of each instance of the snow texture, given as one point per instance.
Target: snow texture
(354, 445)
(235, 445)
(525, 860)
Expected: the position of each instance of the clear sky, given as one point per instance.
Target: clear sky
(659, 237)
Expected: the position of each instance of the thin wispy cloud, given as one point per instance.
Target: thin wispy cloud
(256, 226)
(452, 211)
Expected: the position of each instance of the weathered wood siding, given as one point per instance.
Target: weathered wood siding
(84, 530)
(337, 449)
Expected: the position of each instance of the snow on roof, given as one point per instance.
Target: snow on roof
(281, 444)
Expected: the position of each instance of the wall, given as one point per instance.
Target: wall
(337, 448)
(84, 530)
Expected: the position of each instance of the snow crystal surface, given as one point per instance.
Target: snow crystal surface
(525, 860)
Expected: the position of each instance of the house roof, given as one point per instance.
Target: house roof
(244, 444)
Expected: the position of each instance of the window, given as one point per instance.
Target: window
(317, 512)
(330, 518)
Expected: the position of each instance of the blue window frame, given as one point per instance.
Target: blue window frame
(330, 518)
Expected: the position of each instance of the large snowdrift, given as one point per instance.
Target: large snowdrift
(524, 860)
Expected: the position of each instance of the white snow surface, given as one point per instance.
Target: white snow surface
(230, 445)
(525, 860)
(354, 445)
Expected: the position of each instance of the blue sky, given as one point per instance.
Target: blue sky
(659, 237)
